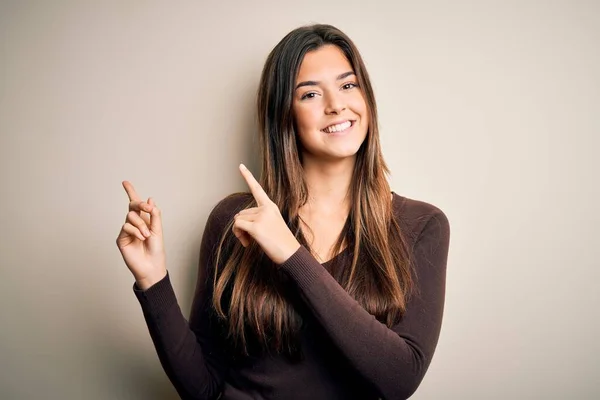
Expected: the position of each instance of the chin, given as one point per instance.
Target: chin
(339, 154)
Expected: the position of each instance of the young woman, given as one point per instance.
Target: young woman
(321, 282)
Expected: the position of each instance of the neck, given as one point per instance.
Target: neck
(328, 184)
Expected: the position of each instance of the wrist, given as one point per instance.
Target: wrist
(287, 252)
(147, 282)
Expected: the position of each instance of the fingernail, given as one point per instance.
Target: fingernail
(243, 166)
(146, 232)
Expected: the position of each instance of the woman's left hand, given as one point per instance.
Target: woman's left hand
(264, 224)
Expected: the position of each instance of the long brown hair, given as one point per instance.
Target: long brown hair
(249, 293)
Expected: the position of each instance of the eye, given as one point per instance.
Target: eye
(309, 95)
(349, 85)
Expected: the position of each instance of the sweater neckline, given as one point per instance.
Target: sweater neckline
(396, 198)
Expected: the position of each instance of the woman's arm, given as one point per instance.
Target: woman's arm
(190, 353)
(393, 360)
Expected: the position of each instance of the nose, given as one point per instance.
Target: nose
(334, 104)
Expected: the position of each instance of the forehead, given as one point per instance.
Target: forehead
(327, 62)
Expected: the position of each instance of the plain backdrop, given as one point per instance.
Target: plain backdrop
(488, 109)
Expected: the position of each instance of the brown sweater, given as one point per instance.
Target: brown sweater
(347, 353)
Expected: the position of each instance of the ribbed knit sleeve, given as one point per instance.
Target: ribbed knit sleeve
(393, 360)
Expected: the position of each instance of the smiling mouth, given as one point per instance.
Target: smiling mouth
(339, 127)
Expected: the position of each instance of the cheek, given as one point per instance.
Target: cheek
(360, 106)
(306, 118)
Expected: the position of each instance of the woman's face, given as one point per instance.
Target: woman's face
(329, 108)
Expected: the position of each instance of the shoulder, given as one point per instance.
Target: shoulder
(224, 211)
(219, 220)
(418, 218)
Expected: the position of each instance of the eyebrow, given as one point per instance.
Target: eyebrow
(316, 83)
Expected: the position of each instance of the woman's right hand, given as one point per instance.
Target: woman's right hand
(141, 240)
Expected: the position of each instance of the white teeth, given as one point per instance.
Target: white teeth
(338, 127)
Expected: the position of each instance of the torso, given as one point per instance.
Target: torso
(323, 372)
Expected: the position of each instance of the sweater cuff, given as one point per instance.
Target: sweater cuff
(157, 298)
(301, 267)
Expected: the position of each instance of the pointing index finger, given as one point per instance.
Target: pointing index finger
(131, 193)
(257, 191)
